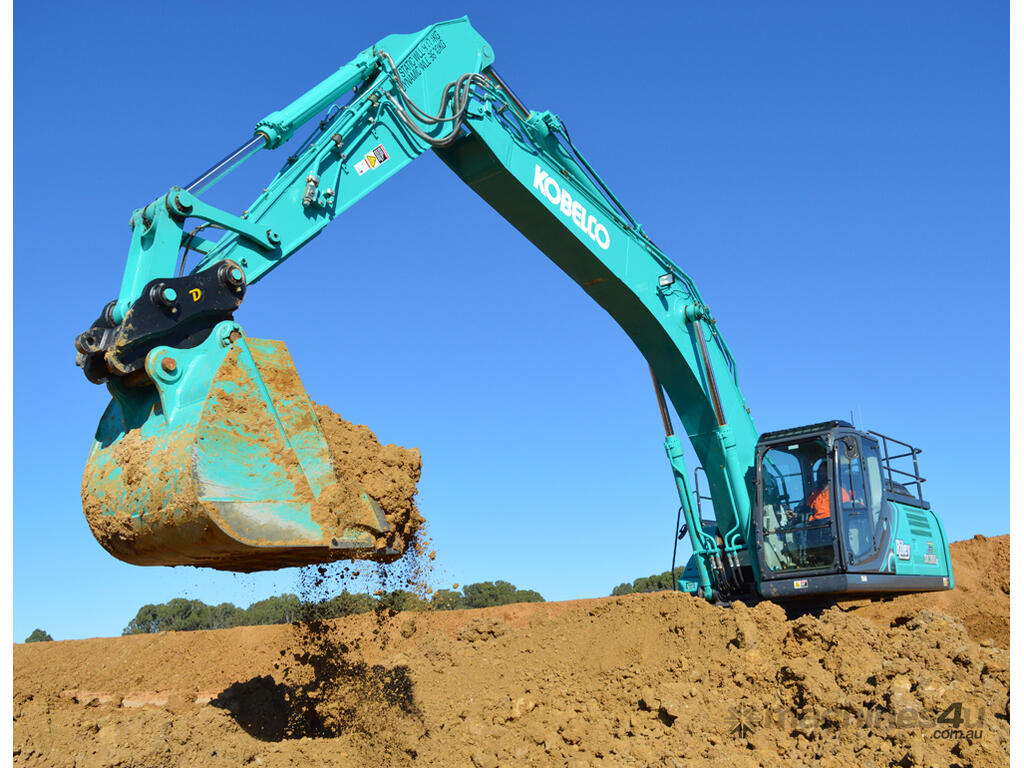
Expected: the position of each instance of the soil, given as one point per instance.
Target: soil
(387, 473)
(659, 679)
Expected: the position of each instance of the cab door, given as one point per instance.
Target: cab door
(796, 520)
(864, 519)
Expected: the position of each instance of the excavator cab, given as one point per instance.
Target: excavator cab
(831, 515)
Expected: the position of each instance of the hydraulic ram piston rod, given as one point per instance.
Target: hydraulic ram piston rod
(224, 166)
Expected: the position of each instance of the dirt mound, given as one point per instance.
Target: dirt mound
(981, 599)
(658, 679)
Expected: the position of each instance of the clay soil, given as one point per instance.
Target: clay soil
(387, 473)
(658, 679)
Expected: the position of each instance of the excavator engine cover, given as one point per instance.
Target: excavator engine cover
(217, 459)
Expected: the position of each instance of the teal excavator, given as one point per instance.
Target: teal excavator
(210, 454)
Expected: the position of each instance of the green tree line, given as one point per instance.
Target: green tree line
(181, 614)
(653, 583)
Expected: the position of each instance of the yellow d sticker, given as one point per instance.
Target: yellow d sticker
(196, 294)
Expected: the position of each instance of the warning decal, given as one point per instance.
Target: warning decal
(372, 159)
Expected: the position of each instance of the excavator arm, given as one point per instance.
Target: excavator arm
(162, 344)
(235, 473)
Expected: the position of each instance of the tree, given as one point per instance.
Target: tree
(347, 604)
(528, 596)
(282, 609)
(447, 600)
(38, 636)
(180, 615)
(224, 616)
(402, 600)
(146, 620)
(653, 583)
(487, 593)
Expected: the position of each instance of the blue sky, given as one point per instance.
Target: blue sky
(833, 176)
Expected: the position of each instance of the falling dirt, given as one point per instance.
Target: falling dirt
(657, 679)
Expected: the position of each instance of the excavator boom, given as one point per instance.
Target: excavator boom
(236, 472)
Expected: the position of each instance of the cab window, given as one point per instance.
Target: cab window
(796, 506)
(873, 472)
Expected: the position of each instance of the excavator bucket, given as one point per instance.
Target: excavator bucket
(217, 459)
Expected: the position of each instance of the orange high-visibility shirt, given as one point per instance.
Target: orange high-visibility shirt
(820, 503)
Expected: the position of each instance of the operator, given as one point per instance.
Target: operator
(820, 499)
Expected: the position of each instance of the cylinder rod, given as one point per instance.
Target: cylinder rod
(660, 394)
(712, 384)
(225, 165)
(490, 72)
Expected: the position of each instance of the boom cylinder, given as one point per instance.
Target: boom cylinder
(716, 400)
(660, 394)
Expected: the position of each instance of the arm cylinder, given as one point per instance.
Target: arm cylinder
(279, 126)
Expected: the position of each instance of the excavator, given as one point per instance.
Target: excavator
(209, 453)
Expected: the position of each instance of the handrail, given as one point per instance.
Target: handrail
(887, 459)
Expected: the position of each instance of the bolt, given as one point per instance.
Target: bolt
(162, 295)
(231, 275)
(182, 207)
(169, 365)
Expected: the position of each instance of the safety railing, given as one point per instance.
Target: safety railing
(906, 477)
